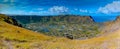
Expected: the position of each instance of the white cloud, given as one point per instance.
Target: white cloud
(85, 11)
(58, 9)
(113, 7)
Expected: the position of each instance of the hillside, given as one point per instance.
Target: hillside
(13, 37)
(9, 20)
(112, 25)
(70, 26)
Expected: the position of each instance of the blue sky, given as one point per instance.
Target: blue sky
(95, 8)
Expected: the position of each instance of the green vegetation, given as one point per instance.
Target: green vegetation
(78, 27)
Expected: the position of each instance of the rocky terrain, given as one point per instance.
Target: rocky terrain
(70, 26)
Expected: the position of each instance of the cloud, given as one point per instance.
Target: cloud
(113, 7)
(58, 9)
(85, 11)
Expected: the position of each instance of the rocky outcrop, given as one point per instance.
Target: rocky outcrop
(9, 20)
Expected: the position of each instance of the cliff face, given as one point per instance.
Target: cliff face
(9, 20)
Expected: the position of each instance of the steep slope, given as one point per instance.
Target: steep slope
(13, 37)
(9, 20)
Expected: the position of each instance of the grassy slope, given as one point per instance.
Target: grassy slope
(18, 38)
(10, 33)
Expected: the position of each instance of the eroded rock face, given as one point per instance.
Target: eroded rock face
(9, 20)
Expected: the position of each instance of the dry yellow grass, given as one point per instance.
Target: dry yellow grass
(19, 38)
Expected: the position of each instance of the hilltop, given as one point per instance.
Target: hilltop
(13, 37)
